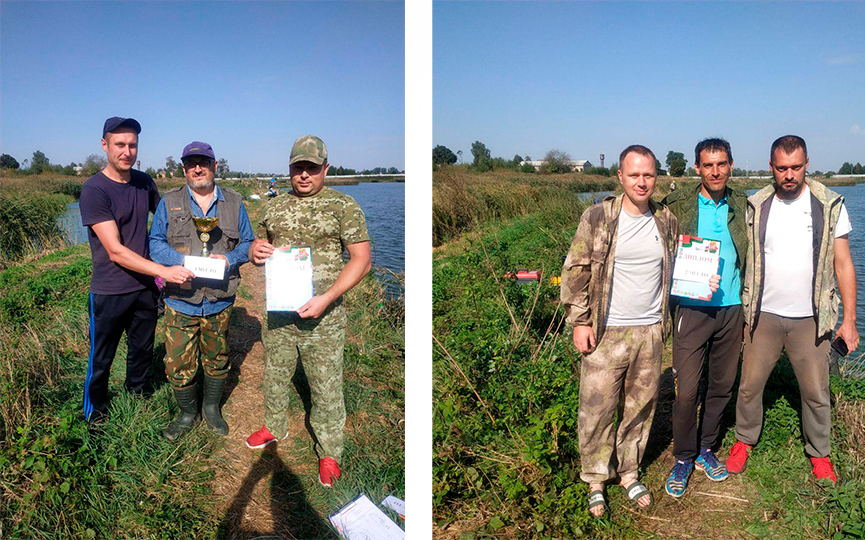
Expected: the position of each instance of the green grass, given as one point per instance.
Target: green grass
(506, 385)
(463, 200)
(28, 223)
(59, 479)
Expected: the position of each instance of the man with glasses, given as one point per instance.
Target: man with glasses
(197, 315)
(314, 335)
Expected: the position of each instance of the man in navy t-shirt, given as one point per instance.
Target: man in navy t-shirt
(114, 207)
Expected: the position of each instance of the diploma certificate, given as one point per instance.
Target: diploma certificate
(288, 276)
(697, 260)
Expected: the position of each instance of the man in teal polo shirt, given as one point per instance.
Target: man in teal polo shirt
(714, 327)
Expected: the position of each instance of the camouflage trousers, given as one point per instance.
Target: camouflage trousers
(620, 375)
(318, 349)
(186, 336)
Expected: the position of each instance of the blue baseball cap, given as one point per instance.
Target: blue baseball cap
(115, 122)
(198, 148)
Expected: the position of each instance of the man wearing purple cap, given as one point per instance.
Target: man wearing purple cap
(114, 207)
(197, 314)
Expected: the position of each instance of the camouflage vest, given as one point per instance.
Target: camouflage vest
(587, 275)
(183, 237)
(825, 209)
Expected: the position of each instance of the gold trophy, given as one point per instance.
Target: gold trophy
(204, 226)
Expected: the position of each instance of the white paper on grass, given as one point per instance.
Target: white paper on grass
(205, 267)
(288, 277)
(395, 504)
(362, 520)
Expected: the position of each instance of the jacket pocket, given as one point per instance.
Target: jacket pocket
(232, 238)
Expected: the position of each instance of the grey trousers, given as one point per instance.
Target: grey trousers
(809, 357)
(622, 374)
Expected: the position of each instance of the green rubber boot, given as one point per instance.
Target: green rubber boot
(210, 406)
(187, 400)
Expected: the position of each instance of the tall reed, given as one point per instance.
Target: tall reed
(463, 200)
(28, 223)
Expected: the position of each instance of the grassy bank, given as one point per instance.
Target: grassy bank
(462, 200)
(59, 479)
(506, 394)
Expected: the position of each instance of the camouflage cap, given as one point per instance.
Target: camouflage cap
(308, 148)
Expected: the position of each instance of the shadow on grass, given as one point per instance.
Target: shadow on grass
(661, 434)
(293, 516)
(244, 332)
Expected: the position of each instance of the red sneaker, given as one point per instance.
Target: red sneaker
(328, 471)
(823, 469)
(738, 457)
(260, 438)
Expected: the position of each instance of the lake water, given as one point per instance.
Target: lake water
(382, 203)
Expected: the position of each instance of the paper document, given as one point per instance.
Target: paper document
(395, 504)
(288, 277)
(362, 520)
(205, 267)
(697, 260)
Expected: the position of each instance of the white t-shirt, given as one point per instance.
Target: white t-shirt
(788, 255)
(639, 260)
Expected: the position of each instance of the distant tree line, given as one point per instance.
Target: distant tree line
(557, 161)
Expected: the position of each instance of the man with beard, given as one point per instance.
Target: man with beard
(313, 336)
(799, 244)
(196, 316)
(707, 328)
(114, 206)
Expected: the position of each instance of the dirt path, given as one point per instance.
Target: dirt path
(259, 492)
(709, 510)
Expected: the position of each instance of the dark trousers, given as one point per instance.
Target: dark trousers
(110, 315)
(699, 332)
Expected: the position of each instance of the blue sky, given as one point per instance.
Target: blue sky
(593, 77)
(247, 77)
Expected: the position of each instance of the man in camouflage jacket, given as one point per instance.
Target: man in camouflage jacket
(327, 221)
(798, 231)
(625, 242)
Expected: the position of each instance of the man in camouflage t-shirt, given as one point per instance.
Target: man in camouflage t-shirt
(327, 221)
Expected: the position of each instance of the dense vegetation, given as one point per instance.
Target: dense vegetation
(506, 386)
(61, 479)
(463, 200)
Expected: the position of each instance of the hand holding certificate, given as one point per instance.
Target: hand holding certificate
(696, 265)
(288, 278)
(205, 267)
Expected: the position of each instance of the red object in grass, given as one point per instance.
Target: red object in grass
(524, 276)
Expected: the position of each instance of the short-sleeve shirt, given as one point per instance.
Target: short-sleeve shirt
(788, 251)
(638, 267)
(712, 224)
(126, 204)
(327, 222)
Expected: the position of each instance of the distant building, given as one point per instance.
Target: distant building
(577, 165)
(78, 170)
